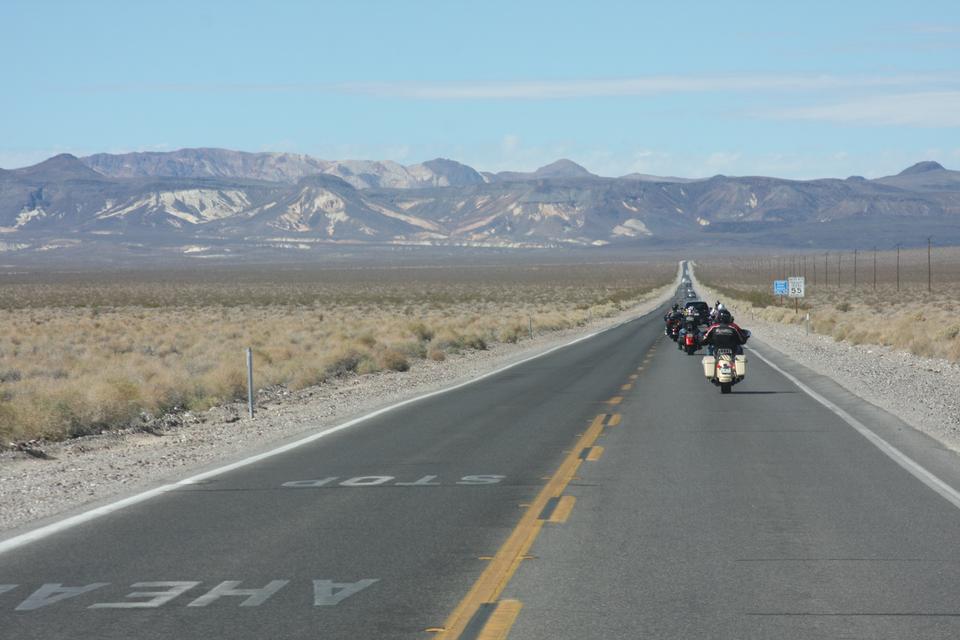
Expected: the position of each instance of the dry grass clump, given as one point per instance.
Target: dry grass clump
(84, 354)
(909, 319)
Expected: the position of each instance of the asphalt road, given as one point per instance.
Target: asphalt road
(602, 491)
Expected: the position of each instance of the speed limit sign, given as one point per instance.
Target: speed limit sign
(795, 287)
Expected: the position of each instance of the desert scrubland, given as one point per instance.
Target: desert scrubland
(908, 317)
(86, 352)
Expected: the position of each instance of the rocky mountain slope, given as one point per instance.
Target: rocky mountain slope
(281, 167)
(209, 197)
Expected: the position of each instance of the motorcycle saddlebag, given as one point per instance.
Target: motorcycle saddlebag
(741, 366)
(709, 365)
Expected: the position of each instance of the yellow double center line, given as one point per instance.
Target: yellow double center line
(491, 583)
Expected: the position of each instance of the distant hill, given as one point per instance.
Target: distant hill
(924, 176)
(280, 167)
(205, 197)
(57, 169)
(562, 168)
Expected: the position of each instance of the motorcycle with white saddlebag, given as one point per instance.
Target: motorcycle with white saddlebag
(724, 369)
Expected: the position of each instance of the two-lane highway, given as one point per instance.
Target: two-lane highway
(602, 490)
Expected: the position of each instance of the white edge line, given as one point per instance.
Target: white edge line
(912, 466)
(92, 514)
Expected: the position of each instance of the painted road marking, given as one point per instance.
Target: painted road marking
(615, 400)
(947, 492)
(559, 510)
(549, 508)
(614, 420)
(501, 620)
(634, 376)
(478, 621)
(492, 581)
(154, 599)
(377, 481)
(626, 387)
(327, 593)
(228, 589)
(591, 454)
(55, 592)
(117, 505)
(152, 595)
(366, 481)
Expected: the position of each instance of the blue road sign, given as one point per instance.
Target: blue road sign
(781, 287)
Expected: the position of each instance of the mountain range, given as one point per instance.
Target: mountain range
(199, 201)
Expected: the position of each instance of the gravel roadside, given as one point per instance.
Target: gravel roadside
(922, 394)
(91, 469)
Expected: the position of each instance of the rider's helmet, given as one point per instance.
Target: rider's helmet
(724, 316)
(720, 307)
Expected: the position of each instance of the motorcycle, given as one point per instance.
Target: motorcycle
(673, 329)
(724, 369)
(691, 342)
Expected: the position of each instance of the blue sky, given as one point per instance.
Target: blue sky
(802, 89)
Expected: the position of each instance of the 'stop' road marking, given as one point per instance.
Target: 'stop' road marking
(72, 521)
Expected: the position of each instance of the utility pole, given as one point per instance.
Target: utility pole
(814, 261)
(929, 271)
(854, 268)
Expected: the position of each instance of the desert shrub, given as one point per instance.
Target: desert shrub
(86, 353)
(422, 332)
(343, 361)
(226, 381)
(392, 360)
(367, 339)
(9, 430)
(513, 332)
(474, 341)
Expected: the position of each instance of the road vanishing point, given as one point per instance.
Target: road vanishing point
(602, 490)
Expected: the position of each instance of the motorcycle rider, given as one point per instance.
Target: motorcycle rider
(717, 308)
(691, 323)
(673, 317)
(725, 334)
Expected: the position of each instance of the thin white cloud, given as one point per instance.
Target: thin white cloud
(935, 29)
(564, 89)
(920, 109)
(647, 85)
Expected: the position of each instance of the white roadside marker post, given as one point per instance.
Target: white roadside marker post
(250, 381)
(530, 321)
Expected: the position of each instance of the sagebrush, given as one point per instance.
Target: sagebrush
(81, 353)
